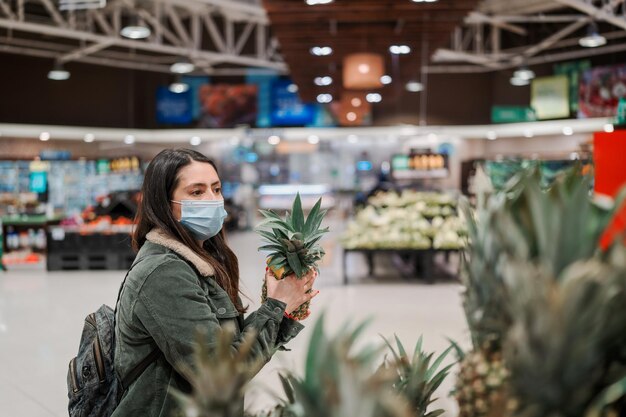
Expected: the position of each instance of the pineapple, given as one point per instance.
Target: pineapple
(219, 378)
(552, 228)
(416, 378)
(292, 245)
(341, 381)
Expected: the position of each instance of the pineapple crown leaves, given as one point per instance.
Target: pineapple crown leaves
(293, 241)
(418, 379)
(609, 396)
(574, 327)
(220, 375)
(339, 380)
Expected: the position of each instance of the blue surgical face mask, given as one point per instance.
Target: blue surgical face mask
(203, 218)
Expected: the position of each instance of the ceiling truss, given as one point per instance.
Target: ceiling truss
(222, 37)
(478, 45)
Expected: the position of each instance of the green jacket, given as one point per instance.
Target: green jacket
(168, 295)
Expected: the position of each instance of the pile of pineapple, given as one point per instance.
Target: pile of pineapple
(410, 220)
(544, 304)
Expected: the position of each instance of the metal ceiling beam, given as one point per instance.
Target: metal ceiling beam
(83, 52)
(596, 13)
(554, 38)
(476, 17)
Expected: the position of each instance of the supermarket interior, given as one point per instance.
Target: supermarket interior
(460, 166)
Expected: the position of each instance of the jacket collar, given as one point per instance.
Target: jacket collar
(159, 237)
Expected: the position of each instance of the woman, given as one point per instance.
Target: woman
(185, 278)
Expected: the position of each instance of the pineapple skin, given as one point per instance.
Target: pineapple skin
(298, 314)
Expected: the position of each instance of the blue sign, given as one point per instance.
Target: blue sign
(286, 107)
(38, 182)
(55, 155)
(174, 108)
(263, 80)
(195, 83)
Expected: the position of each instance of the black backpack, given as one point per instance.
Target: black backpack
(93, 386)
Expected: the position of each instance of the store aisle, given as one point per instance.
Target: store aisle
(41, 316)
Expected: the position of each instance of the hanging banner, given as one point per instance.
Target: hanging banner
(550, 97)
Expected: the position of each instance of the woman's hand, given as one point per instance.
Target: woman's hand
(290, 290)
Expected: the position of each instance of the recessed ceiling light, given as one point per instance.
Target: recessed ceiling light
(313, 139)
(321, 50)
(324, 98)
(292, 88)
(568, 131)
(414, 86)
(135, 29)
(129, 139)
(519, 82)
(424, 1)
(356, 102)
(89, 137)
(593, 38)
(182, 66)
(524, 74)
(363, 68)
(273, 140)
(491, 135)
(353, 138)
(58, 73)
(195, 140)
(315, 2)
(323, 81)
(609, 128)
(374, 98)
(351, 116)
(400, 49)
(179, 87)
(385, 79)
(528, 133)
(44, 136)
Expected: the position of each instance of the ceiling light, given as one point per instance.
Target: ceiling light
(179, 87)
(356, 102)
(609, 128)
(292, 88)
(89, 137)
(273, 140)
(363, 68)
(568, 131)
(195, 141)
(135, 29)
(313, 139)
(400, 49)
(58, 73)
(44, 136)
(353, 138)
(324, 98)
(323, 81)
(414, 86)
(351, 116)
(593, 38)
(182, 66)
(385, 79)
(524, 74)
(321, 50)
(374, 98)
(519, 82)
(424, 1)
(491, 135)
(315, 2)
(528, 133)
(129, 139)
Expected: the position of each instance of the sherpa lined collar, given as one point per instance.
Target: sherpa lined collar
(159, 237)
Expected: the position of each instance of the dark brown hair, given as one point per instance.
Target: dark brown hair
(154, 211)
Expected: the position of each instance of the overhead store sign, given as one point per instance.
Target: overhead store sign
(550, 97)
(512, 114)
(173, 108)
(419, 165)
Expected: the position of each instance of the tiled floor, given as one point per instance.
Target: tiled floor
(41, 317)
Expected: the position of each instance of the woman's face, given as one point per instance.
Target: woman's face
(196, 181)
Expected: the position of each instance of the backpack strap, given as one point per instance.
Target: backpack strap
(153, 356)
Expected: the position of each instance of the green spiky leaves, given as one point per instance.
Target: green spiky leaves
(419, 377)
(292, 242)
